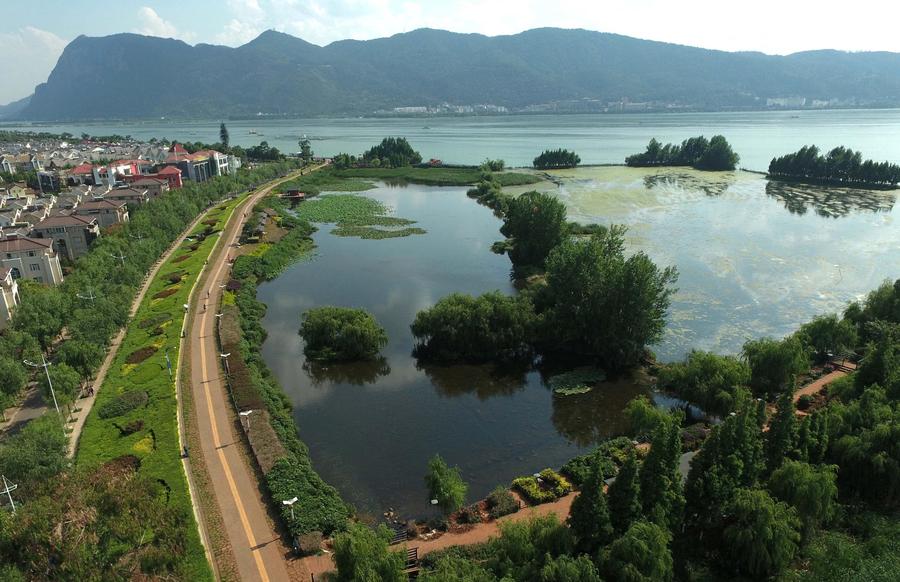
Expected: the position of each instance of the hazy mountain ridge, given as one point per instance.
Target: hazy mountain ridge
(132, 76)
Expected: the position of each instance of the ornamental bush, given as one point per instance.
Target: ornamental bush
(123, 404)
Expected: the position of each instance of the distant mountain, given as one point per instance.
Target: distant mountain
(12, 109)
(132, 76)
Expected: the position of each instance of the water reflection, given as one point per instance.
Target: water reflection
(828, 201)
(585, 419)
(353, 373)
(484, 381)
(713, 184)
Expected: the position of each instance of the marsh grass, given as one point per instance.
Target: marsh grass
(356, 216)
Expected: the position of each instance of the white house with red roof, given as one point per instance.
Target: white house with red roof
(30, 258)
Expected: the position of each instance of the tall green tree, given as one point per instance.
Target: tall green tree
(716, 383)
(12, 376)
(223, 135)
(589, 516)
(810, 489)
(624, 496)
(570, 569)
(362, 555)
(306, 152)
(774, 365)
(827, 334)
(602, 304)
(81, 355)
(661, 492)
(536, 223)
(456, 569)
(761, 536)
(445, 484)
(641, 555)
(781, 438)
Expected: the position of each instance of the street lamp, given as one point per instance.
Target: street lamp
(246, 414)
(120, 256)
(8, 488)
(90, 295)
(225, 363)
(290, 503)
(45, 365)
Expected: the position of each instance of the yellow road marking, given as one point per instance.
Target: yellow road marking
(242, 514)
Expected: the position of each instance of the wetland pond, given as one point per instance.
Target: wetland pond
(756, 258)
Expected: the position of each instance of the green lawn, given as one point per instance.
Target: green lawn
(156, 443)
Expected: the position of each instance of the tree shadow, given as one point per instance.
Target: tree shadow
(829, 201)
(354, 373)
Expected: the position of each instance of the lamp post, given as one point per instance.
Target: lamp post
(90, 295)
(120, 256)
(290, 503)
(45, 365)
(246, 414)
(8, 488)
(225, 364)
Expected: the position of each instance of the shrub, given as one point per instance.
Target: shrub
(309, 543)
(610, 455)
(804, 402)
(445, 485)
(123, 404)
(319, 507)
(532, 491)
(155, 320)
(166, 293)
(132, 427)
(341, 334)
(468, 515)
(140, 354)
(501, 502)
(558, 484)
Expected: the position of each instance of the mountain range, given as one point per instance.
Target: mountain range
(128, 76)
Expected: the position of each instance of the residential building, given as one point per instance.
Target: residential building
(82, 174)
(71, 235)
(30, 258)
(7, 165)
(133, 196)
(9, 296)
(172, 175)
(202, 165)
(107, 212)
(155, 187)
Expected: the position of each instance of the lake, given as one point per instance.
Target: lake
(371, 428)
(756, 258)
(599, 139)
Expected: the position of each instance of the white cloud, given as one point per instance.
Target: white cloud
(29, 54)
(152, 24)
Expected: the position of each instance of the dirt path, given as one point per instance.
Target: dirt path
(821, 383)
(322, 564)
(257, 547)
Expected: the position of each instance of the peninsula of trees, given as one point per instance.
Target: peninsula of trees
(713, 154)
(840, 167)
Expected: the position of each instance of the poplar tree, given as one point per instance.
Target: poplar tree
(589, 516)
(624, 496)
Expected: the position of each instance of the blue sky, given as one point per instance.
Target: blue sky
(33, 33)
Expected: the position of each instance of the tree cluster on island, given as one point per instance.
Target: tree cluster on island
(556, 160)
(841, 166)
(594, 300)
(713, 154)
(340, 334)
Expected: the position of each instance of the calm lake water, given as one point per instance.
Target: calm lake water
(372, 428)
(756, 258)
(599, 139)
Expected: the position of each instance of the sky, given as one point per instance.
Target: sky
(33, 33)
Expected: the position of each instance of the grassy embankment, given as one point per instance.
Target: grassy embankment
(138, 388)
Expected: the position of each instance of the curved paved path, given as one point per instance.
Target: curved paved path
(256, 545)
